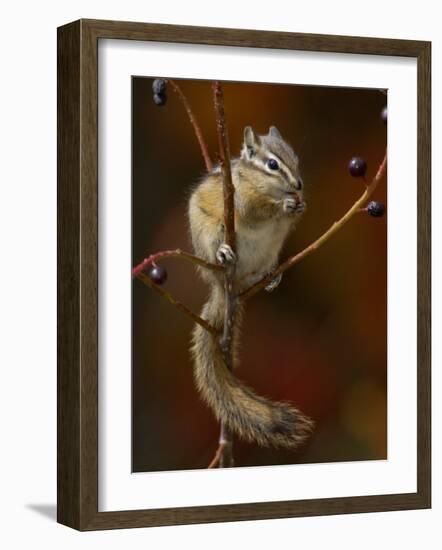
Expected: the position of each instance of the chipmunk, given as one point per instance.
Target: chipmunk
(268, 202)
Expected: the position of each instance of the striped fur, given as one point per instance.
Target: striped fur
(262, 224)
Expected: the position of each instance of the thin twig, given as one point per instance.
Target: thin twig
(223, 457)
(217, 458)
(153, 258)
(172, 300)
(224, 154)
(251, 291)
(226, 444)
(225, 440)
(196, 126)
(229, 222)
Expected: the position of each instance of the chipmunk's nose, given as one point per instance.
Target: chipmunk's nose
(296, 183)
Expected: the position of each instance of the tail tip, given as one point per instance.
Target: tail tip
(292, 429)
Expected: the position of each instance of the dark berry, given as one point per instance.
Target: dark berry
(158, 274)
(357, 167)
(273, 164)
(384, 115)
(376, 209)
(160, 99)
(159, 86)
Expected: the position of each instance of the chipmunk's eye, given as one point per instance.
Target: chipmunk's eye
(273, 164)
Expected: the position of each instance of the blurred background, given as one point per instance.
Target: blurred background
(320, 340)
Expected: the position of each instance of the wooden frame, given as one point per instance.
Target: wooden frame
(78, 269)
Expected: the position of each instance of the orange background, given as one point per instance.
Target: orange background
(320, 340)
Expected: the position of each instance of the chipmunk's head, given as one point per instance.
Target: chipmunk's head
(271, 155)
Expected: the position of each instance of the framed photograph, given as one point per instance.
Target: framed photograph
(243, 275)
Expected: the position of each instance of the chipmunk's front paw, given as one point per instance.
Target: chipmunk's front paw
(274, 283)
(292, 205)
(225, 254)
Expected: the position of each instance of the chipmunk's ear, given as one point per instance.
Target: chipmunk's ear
(251, 140)
(273, 131)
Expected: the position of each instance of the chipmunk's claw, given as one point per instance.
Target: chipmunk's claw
(293, 206)
(274, 283)
(225, 254)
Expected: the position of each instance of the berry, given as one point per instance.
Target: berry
(357, 167)
(159, 86)
(160, 99)
(384, 115)
(376, 209)
(158, 274)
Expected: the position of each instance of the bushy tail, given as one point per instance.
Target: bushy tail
(250, 416)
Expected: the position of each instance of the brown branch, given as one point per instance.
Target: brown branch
(224, 154)
(216, 461)
(153, 258)
(223, 457)
(196, 126)
(226, 443)
(251, 291)
(172, 300)
(229, 222)
(225, 449)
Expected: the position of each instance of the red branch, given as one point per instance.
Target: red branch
(172, 300)
(153, 258)
(225, 449)
(196, 126)
(224, 154)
